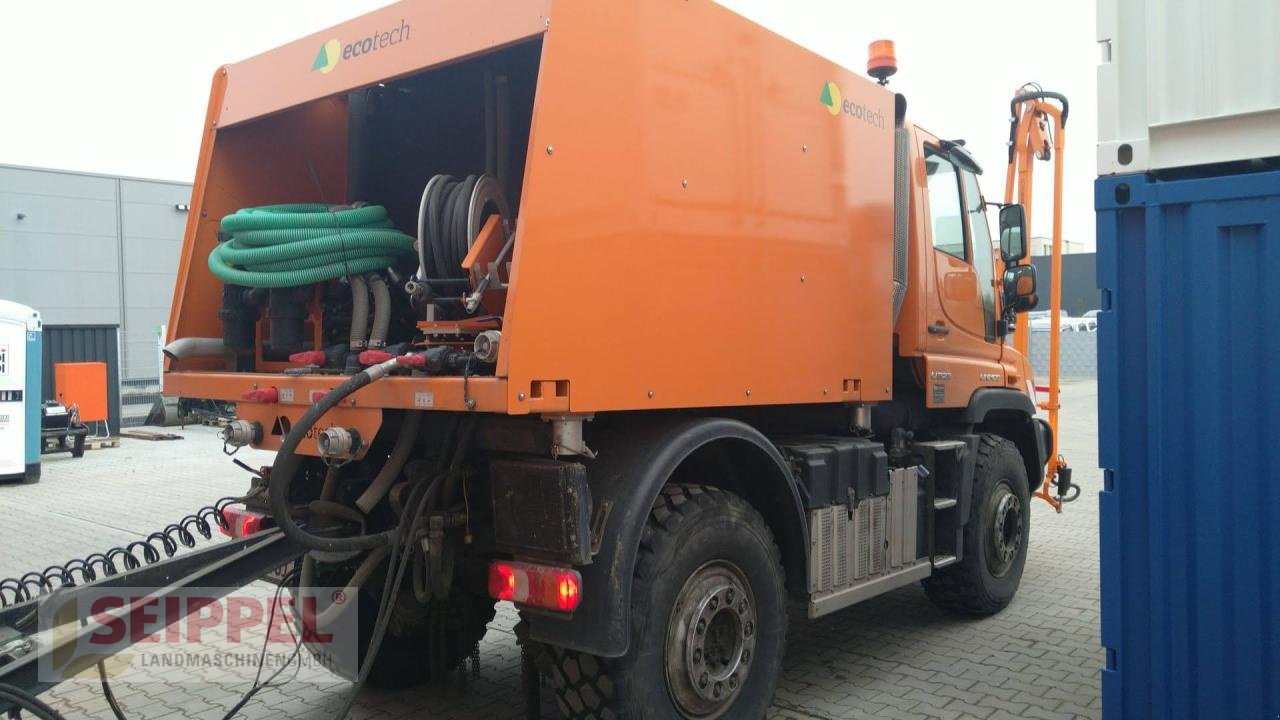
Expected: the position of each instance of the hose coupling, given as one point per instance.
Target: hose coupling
(337, 443)
(486, 346)
(238, 433)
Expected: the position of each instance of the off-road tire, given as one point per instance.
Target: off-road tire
(689, 528)
(404, 658)
(970, 586)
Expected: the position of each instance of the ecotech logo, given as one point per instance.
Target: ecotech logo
(334, 51)
(836, 104)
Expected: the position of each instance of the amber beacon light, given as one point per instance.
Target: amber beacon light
(881, 61)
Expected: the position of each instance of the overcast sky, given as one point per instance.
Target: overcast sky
(121, 87)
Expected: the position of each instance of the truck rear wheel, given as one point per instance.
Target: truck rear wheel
(708, 619)
(405, 657)
(995, 538)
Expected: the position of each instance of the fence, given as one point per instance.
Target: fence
(139, 374)
(1078, 355)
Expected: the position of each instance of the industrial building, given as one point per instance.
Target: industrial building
(96, 255)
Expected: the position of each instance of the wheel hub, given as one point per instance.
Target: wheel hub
(710, 640)
(1006, 531)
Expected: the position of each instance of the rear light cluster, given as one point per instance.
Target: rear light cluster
(552, 588)
(242, 522)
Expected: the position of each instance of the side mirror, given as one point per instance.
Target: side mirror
(1020, 288)
(1013, 233)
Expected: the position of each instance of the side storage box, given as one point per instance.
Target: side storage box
(83, 384)
(1188, 402)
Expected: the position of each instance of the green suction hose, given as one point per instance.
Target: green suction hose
(278, 246)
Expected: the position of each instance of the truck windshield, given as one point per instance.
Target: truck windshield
(983, 251)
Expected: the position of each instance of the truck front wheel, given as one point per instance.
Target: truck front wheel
(995, 538)
(708, 619)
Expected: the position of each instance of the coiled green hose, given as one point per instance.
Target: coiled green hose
(291, 245)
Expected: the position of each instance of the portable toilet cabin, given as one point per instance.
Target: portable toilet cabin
(20, 392)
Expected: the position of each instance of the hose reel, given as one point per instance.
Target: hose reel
(451, 215)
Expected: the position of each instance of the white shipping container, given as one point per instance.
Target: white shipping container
(1187, 82)
(20, 361)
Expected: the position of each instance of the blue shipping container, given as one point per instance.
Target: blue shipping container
(1188, 394)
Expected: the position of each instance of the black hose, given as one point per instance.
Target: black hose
(155, 547)
(401, 554)
(287, 462)
(1025, 97)
(446, 210)
(1041, 95)
(24, 700)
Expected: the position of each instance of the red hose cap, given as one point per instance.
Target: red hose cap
(374, 357)
(262, 395)
(310, 357)
(413, 361)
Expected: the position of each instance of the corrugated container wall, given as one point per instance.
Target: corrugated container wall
(1187, 402)
(1191, 82)
(85, 343)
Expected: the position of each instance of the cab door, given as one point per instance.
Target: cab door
(962, 348)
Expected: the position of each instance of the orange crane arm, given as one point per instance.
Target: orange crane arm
(1038, 132)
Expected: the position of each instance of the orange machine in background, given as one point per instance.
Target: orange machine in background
(83, 384)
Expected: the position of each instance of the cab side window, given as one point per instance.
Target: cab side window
(983, 250)
(944, 206)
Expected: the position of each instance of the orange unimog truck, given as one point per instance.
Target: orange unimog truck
(657, 323)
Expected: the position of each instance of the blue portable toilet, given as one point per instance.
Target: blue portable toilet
(20, 392)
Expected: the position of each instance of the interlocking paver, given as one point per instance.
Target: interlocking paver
(895, 656)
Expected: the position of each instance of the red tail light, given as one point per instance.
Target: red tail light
(541, 586)
(242, 522)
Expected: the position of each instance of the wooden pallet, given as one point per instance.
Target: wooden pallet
(100, 443)
(149, 435)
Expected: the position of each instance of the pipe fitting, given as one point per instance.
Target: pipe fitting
(239, 433)
(183, 348)
(338, 443)
(486, 346)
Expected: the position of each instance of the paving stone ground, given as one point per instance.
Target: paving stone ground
(895, 656)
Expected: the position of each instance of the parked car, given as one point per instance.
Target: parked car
(1040, 322)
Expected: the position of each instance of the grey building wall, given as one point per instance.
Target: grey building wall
(90, 249)
(1079, 282)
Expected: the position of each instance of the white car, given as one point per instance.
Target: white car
(1040, 322)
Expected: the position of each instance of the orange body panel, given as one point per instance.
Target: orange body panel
(307, 151)
(382, 45)
(943, 292)
(407, 393)
(697, 228)
(83, 384)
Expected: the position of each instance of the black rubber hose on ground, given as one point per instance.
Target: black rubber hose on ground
(287, 463)
(24, 700)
